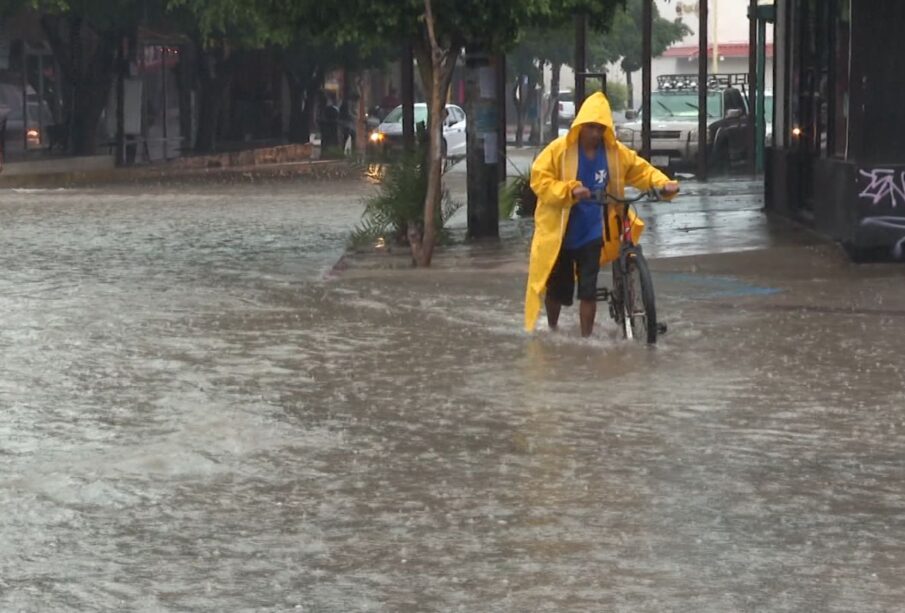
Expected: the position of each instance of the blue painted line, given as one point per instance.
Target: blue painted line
(722, 286)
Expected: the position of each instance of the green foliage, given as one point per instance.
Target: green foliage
(516, 197)
(102, 15)
(509, 197)
(494, 24)
(552, 39)
(245, 24)
(399, 203)
(617, 93)
(623, 41)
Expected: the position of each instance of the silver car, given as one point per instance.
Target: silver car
(674, 128)
(17, 130)
(388, 135)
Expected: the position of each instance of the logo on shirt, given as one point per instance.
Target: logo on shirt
(600, 177)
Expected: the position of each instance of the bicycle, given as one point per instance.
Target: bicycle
(632, 302)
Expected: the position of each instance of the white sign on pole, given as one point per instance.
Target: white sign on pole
(4, 49)
(132, 106)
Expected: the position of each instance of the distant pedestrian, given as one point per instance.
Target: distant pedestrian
(347, 119)
(328, 122)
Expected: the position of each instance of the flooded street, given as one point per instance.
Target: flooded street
(198, 417)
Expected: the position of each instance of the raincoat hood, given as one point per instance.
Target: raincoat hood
(595, 109)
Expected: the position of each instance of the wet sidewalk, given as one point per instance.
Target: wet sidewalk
(259, 165)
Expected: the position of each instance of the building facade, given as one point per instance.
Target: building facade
(837, 160)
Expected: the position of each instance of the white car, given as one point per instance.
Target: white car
(388, 135)
(566, 108)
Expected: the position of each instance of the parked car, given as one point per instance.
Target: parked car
(388, 135)
(674, 122)
(566, 108)
(39, 116)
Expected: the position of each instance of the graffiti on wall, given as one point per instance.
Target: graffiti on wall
(884, 186)
(882, 190)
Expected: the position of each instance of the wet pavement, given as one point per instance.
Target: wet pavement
(199, 416)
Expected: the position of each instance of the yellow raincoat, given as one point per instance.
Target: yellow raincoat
(553, 177)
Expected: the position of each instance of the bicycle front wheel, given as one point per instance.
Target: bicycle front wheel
(640, 321)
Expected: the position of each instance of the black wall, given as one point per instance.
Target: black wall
(878, 81)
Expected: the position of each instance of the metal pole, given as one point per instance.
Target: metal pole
(716, 36)
(581, 48)
(752, 89)
(164, 55)
(702, 91)
(647, 24)
(24, 96)
(408, 97)
(761, 86)
(41, 135)
(501, 115)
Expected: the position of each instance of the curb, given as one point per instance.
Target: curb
(163, 174)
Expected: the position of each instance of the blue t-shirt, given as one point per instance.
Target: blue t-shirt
(586, 218)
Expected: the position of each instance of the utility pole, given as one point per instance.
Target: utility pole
(647, 18)
(702, 91)
(482, 148)
(752, 86)
(581, 54)
(502, 135)
(716, 36)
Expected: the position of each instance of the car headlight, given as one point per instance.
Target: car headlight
(626, 135)
(377, 137)
(693, 136)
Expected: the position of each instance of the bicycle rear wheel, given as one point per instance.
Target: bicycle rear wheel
(640, 321)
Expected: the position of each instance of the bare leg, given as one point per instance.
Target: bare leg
(587, 312)
(553, 308)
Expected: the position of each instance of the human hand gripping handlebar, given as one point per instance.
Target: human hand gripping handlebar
(600, 196)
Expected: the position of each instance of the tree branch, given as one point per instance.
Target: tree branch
(436, 52)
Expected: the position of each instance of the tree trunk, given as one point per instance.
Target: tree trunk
(215, 76)
(442, 62)
(303, 85)
(296, 108)
(535, 116)
(361, 120)
(554, 97)
(518, 97)
(187, 84)
(631, 90)
(314, 86)
(88, 78)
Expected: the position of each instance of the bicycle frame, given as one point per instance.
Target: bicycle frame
(627, 249)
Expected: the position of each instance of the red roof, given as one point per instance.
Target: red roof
(726, 50)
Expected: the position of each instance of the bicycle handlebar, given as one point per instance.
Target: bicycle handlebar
(600, 197)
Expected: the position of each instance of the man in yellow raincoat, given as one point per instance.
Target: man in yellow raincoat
(569, 240)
